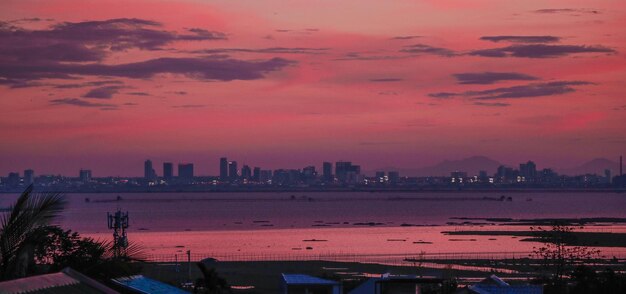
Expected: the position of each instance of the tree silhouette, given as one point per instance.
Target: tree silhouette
(30, 212)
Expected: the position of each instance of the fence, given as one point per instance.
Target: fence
(390, 259)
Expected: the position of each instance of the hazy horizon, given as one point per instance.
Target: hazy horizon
(106, 85)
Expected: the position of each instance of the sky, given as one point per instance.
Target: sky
(105, 85)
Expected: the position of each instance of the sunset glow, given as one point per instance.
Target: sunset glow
(105, 85)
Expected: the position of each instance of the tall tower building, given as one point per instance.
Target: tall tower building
(148, 170)
(185, 171)
(246, 172)
(85, 175)
(168, 170)
(29, 177)
(223, 168)
(232, 170)
(327, 171)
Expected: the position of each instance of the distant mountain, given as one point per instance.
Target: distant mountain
(596, 166)
(471, 165)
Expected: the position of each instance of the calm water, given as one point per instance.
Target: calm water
(277, 223)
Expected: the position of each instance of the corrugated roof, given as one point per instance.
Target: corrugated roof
(66, 281)
(299, 279)
(142, 284)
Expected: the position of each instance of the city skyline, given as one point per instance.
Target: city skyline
(407, 84)
(227, 170)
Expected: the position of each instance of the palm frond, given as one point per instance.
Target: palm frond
(30, 211)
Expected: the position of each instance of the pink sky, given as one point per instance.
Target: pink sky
(107, 84)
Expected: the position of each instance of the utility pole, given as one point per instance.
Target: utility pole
(189, 263)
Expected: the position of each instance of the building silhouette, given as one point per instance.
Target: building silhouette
(84, 175)
(13, 180)
(246, 172)
(327, 171)
(223, 168)
(185, 171)
(168, 170)
(29, 177)
(148, 170)
(232, 170)
(346, 171)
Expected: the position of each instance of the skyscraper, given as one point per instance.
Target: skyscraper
(13, 180)
(232, 170)
(148, 170)
(85, 175)
(246, 172)
(168, 170)
(327, 170)
(223, 168)
(345, 170)
(185, 171)
(29, 177)
(528, 170)
(256, 174)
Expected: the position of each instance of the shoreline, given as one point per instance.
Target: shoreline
(341, 190)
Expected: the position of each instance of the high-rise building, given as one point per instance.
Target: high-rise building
(482, 176)
(345, 168)
(528, 170)
(13, 180)
(327, 171)
(148, 170)
(85, 175)
(256, 174)
(394, 177)
(246, 172)
(265, 176)
(29, 177)
(232, 170)
(185, 171)
(168, 170)
(223, 168)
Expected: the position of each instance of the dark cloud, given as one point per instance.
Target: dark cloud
(272, 50)
(81, 103)
(516, 92)
(66, 50)
(87, 84)
(384, 80)
(106, 92)
(484, 78)
(207, 68)
(89, 40)
(443, 95)
(527, 91)
(189, 106)
(494, 104)
(522, 39)
(427, 49)
(350, 56)
(131, 104)
(138, 93)
(623, 107)
(540, 51)
(567, 11)
(405, 37)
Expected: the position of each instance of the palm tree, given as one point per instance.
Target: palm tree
(30, 212)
